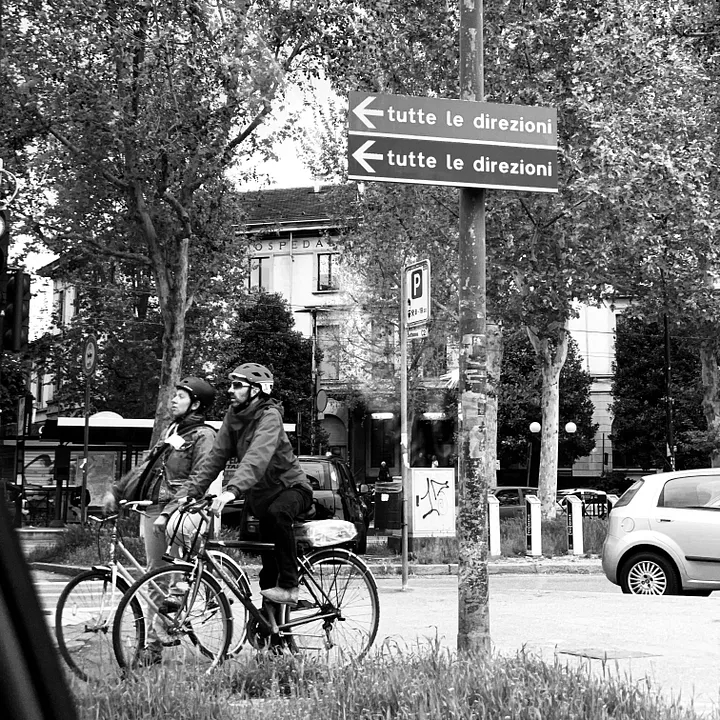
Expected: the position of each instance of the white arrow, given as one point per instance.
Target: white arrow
(361, 156)
(362, 112)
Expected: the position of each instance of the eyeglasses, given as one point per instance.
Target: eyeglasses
(239, 385)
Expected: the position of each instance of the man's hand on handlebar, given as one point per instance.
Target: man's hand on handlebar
(221, 501)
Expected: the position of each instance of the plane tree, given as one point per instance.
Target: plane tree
(134, 109)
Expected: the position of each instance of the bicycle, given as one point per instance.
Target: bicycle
(86, 607)
(87, 604)
(337, 613)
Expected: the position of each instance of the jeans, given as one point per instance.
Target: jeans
(276, 526)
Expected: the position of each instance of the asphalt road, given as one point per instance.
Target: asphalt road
(577, 619)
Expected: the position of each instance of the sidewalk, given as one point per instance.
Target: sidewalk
(393, 566)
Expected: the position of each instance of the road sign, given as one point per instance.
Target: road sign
(90, 355)
(417, 292)
(434, 141)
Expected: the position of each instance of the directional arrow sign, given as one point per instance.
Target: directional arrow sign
(432, 162)
(397, 138)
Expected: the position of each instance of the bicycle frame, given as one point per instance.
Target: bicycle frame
(115, 566)
(204, 561)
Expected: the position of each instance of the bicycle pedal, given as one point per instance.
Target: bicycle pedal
(304, 605)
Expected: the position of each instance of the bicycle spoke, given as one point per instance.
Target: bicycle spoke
(180, 621)
(83, 624)
(338, 610)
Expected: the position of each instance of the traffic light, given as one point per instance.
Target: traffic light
(17, 312)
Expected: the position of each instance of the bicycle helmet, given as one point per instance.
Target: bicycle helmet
(254, 374)
(200, 390)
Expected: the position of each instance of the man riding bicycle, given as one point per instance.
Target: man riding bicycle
(276, 488)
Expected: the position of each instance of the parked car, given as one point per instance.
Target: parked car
(334, 492)
(664, 535)
(595, 503)
(512, 499)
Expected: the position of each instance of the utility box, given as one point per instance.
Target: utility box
(388, 505)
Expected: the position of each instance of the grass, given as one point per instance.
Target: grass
(393, 683)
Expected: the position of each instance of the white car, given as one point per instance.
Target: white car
(664, 535)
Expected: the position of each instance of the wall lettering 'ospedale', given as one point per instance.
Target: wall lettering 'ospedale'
(288, 246)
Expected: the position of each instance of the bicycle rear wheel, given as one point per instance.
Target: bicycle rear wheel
(83, 623)
(338, 611)
(240, 615)
(170, 616)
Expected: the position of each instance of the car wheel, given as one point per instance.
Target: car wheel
(649, 574)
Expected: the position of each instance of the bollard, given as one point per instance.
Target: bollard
(532, 524)
(574, 510)
(493, 526)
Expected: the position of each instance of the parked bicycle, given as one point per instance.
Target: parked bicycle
(87, 605)
(197, 608)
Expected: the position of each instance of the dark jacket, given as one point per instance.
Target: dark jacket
(267, 463)
(167, 468)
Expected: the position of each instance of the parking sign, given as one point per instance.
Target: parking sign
(417, 292)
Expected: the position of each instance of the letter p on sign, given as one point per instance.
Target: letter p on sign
(417, 284)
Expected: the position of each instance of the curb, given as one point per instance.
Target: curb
(547, 566)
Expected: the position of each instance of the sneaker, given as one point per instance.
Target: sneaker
(280, 595)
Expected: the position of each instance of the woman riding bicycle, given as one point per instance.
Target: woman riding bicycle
(184, 446)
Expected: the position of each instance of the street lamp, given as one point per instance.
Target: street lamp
(535, 428)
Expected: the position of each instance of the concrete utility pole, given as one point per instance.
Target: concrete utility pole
(473, 481)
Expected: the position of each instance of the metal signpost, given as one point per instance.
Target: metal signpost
(472, 145)
(415, 301)
(89, 365)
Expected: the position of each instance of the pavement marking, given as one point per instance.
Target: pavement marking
(604, 653)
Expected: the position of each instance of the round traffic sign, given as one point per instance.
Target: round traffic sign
(90, 355)
(321, 400)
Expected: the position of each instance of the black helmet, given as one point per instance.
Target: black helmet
(255, 375)
(198, 390)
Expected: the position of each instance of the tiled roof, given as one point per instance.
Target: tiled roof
(322, 203)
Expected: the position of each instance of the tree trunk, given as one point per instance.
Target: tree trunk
(552, 356)
(711, 401)
(494, 366)
(170, 262)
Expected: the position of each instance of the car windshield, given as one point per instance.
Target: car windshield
(317, 471)
(629, 494)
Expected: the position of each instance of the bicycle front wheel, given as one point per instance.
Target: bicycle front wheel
(83, 623)
(170, 616)
(338, 611)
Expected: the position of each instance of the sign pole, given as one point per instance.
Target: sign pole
(89, 361)
(472, 530)
(404, 438)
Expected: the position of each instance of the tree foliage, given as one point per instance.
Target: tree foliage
(261, 330)
(135, 110)
(519, 403)
(640, 437)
